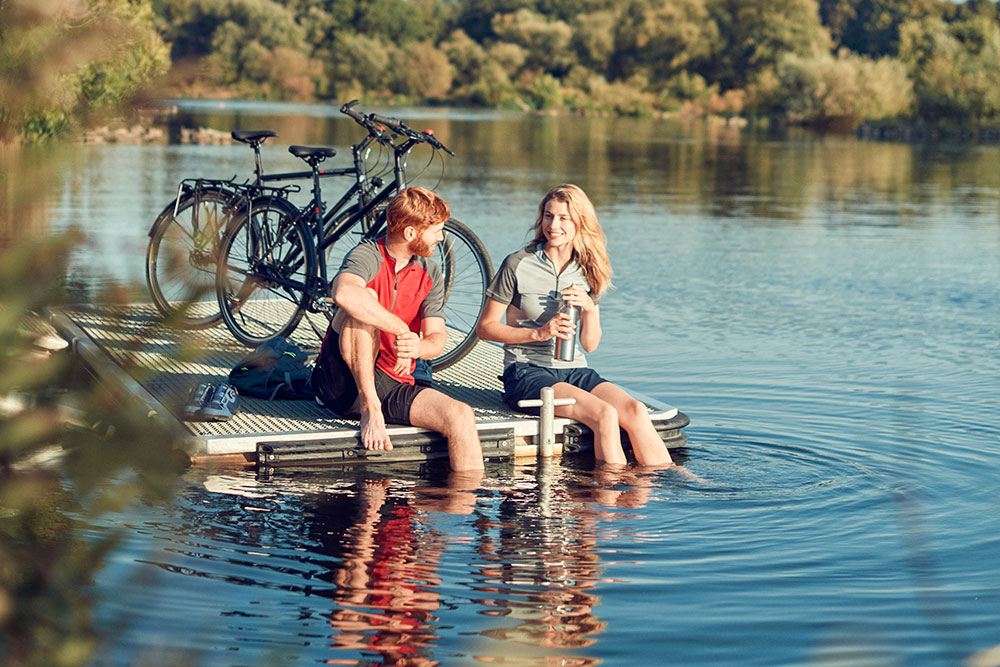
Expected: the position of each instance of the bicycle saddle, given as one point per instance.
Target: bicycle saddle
(306, 152)
(251, 136)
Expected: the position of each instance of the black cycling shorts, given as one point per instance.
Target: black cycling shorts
(336, 389)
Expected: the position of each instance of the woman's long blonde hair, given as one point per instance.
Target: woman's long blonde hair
(589, 245)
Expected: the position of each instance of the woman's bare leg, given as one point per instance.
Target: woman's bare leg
(600, 416)
(633, 416)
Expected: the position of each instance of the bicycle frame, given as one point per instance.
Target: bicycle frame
(332, 234)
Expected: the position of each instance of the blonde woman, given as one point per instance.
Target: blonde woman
(566, 263)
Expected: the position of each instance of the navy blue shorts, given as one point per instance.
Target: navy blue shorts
(525, 381)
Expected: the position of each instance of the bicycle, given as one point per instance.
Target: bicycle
(183, 239)
(271, 272)
(182, 252)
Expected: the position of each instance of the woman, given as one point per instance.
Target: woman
(566, 263)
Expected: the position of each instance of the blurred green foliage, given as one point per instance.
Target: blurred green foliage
(65, 62)
(790, 58)
(69, 449)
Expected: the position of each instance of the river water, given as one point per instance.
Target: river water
(824, 309)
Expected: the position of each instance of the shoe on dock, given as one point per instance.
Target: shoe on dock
(225, 403)
(199, 398)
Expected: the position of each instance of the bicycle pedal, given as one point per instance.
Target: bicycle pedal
(324, 304)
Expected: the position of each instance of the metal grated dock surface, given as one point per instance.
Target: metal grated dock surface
(129, 345)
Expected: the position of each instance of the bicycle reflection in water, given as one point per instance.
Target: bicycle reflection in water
(535, 572)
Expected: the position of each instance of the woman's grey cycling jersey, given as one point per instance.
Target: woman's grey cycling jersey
(528, 283)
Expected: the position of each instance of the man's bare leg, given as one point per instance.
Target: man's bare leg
(359, 347)
(454, 420)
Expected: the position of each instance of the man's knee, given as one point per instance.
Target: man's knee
(458, 415)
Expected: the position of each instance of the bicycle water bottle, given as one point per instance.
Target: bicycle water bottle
(565, 349)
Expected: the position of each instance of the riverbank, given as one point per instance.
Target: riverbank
(150, 127)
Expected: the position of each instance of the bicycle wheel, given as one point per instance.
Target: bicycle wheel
(182, 255)
(266, 272)
(467, 271)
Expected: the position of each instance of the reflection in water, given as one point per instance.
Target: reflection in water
(386, 586)
(379, 541)
(539, 568)
(823, 308)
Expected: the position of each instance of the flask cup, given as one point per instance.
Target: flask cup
(565, 349)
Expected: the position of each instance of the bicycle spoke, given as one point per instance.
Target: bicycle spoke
(466, 271)
(265, 272)
(181, 257)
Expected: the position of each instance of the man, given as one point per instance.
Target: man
(390, 300)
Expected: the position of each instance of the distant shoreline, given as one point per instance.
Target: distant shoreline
(145, 129)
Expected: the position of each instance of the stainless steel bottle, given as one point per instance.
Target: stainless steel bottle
(565, 349)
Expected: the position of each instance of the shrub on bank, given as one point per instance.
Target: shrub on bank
(824, 88)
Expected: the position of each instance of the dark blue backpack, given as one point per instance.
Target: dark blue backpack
(275, 369)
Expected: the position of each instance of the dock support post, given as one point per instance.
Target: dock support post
(546, 428)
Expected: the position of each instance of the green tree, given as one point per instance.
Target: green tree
(662, 38)
(422, 72)
(476, 16)
(360, 65)
(546, 42)
(249, 46)
(953, 66)
(843, 89)
(62, 61)
(467, 57)
(755, 34)
(871, 27)
(594, 38)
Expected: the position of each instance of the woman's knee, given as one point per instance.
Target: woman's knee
(606, 414)
(634, 411)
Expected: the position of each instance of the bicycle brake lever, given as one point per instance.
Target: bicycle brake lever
(435, 142)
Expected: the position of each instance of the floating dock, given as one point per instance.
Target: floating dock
(128, 348)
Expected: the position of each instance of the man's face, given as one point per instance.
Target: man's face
(423, 244)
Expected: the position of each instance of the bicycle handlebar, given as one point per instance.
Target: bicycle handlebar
(372, 122)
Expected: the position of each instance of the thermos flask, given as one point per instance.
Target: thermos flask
(565, 349)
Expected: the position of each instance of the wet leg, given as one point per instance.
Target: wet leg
(599, 415)
(633, 416)
(455, 420)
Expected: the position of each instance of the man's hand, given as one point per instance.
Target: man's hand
(407, 349)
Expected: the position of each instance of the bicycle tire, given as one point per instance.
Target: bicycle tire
(266, 271)
(181, 257)
(335, 254)
(467, 271)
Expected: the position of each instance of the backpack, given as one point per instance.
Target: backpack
(275, 369)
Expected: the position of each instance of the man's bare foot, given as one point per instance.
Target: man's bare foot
(373, 431)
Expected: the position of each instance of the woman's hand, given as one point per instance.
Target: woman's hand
(577, 296)
(560, 326)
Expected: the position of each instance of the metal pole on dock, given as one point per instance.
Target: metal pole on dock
(546, 428)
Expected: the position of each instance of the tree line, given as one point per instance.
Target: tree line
(809, 61)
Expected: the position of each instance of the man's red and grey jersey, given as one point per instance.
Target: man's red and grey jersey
(414, 293)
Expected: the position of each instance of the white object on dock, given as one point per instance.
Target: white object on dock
(546, 431)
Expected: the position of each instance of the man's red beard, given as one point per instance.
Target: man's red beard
(419, 248)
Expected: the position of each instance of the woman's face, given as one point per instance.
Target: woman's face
(558, 227)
